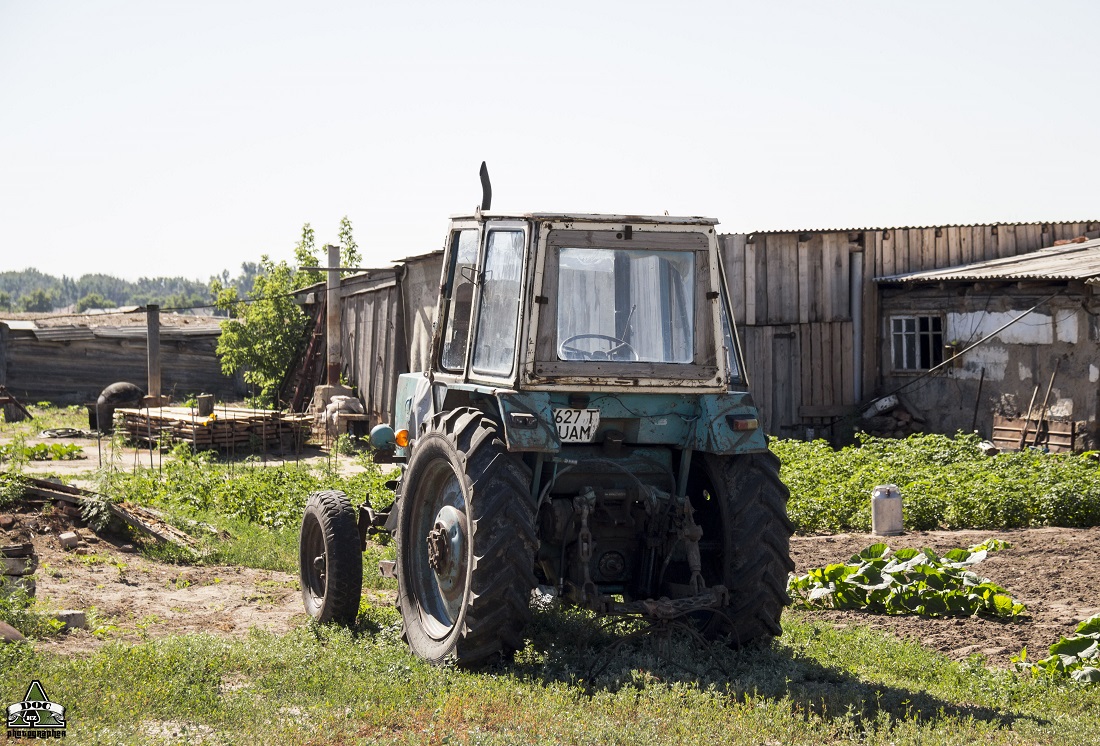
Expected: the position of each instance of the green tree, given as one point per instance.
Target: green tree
(37, 301)
(263, 336)
(93, 300)
(305, 254)
(264, 333)
(349, 250)
(5, 300)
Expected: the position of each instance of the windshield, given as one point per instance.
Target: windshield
(626, 305)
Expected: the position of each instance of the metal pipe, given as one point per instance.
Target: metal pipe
(977, 401)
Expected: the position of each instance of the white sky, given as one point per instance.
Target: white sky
(157, 138)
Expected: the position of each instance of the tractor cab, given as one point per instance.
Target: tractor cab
(593, 302)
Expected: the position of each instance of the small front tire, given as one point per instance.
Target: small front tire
(330, 561)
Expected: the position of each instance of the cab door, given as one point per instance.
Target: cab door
(482, 301)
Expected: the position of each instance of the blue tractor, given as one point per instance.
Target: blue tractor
(584, 430)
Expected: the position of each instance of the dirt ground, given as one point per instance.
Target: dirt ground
(1052, 571)
(135, 598)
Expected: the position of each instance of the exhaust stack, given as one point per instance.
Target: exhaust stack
(486, 188)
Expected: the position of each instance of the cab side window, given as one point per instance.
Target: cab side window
(456, 328)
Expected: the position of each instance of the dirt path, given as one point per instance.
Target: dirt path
(132, 597)
(1052, 571)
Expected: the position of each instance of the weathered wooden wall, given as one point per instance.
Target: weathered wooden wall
(74, 371)
(807, 305)
(373, 337)
(386, 329)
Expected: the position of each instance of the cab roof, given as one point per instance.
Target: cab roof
(581, 217)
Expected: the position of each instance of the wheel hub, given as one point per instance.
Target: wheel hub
(447, 547)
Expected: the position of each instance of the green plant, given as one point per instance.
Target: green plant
(18, 609)
(96, 510)
(945, 483)
(1077, 656)
(12, 486)
(19, 451)
(910, 582)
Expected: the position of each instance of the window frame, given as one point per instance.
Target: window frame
(503, 226)
(935, 351)
(703, 368)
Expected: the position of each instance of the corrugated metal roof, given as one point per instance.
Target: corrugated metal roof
(419, 257)
(1087, 223)
(62, 333)
(72, 332)
(166, 332)
(1078, 261)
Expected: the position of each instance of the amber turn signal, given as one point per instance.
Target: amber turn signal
(402, 438)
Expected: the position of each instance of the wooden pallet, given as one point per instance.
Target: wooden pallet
(1054, 436)
(226, 428)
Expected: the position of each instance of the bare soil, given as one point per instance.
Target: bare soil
(135, 598)
(1052, 571)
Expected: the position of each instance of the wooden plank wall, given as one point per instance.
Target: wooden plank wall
(372, 332)
(797, 287)
(74, 372)
(797, 375)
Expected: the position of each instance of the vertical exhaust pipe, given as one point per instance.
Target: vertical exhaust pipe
(486, 188)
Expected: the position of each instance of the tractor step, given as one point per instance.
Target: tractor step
(388, 569)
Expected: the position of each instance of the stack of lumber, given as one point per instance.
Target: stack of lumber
(226, 428)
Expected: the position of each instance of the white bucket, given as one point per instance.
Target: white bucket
(886, 519)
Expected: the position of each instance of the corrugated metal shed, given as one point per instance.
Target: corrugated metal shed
(1079, 261)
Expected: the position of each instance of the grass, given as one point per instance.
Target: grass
(577, 681)
(46, 416)
(572, 684)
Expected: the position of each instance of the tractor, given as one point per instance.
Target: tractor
(584, 430)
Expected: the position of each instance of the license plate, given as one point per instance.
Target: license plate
(577, 425)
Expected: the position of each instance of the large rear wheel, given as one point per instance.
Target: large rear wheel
(748, 510)
(465, 543)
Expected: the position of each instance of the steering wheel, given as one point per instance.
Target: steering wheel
(617, 346)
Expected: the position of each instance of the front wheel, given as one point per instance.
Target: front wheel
(465, 543)
(330, 561)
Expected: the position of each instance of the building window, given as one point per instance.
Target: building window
(917, 342)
